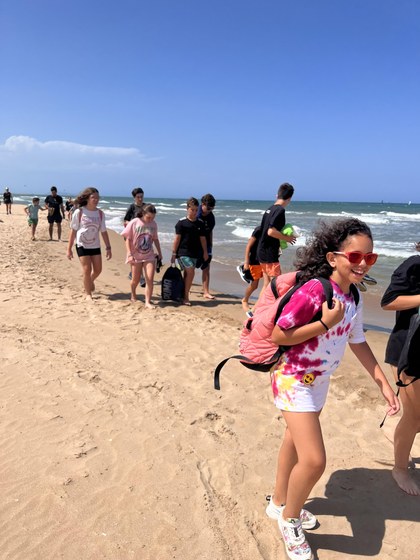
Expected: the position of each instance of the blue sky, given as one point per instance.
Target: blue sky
(232, 97)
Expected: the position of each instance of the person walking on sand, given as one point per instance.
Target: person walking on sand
(32, 212)
(140, 234)
(251, 271)
(189, 244)
(56, 214)
(205, 214)
(340, 251)
(273, 221)
(403, 296)
(8, 200)
(86, 223)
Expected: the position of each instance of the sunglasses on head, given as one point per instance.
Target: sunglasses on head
(356, 257)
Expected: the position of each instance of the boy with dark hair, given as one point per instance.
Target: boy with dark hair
(138, 195)
(56, 214)
(189, 245)
(273, 221)
(205, 213)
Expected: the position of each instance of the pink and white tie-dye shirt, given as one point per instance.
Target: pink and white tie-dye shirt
(305, 366)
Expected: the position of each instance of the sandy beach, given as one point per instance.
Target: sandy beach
(116, 446)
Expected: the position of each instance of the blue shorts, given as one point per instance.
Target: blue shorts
(187, 262)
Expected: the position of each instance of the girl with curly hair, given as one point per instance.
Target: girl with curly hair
(342, 252)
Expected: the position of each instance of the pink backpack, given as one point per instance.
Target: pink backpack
(258, 351)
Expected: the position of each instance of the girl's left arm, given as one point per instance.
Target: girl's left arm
(105, 237)
(364, 354)
(157, 245)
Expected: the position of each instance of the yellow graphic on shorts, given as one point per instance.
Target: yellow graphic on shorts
(308, 378)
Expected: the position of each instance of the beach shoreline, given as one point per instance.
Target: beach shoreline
(116, 445)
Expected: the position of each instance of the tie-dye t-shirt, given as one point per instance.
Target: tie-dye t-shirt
(300, 379)
(142, 237)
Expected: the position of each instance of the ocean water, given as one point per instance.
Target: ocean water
(395, 229)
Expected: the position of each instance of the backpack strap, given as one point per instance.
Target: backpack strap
(247, 363)
(273, 286)
(328, 291)
(220, 366)
(355, 293)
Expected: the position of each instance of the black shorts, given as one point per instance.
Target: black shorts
(56, 219)
(82, 252)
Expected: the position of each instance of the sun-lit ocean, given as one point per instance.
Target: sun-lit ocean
(395, 228)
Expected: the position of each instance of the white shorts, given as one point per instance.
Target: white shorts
(293, 394)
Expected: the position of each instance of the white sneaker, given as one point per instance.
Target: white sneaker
(297, 547)
(307, 518)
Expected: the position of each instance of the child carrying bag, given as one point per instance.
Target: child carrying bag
(258, 351)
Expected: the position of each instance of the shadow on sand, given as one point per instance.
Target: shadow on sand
(367, 498)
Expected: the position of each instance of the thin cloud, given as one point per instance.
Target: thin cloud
(30, 153)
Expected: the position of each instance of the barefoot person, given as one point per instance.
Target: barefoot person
(273, 221)
(189, 245)
(205, 214)
(56, 213)
(250, 271)
(86, 223)
(403, 296)
(32, 212)
(140, 235)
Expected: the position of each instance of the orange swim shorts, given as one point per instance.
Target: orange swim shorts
(271, 269)
(256, 271)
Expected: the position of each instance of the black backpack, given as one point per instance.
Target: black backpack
(172, 284)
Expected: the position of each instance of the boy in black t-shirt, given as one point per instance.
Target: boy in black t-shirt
(205, 213)
(56, 214)
(273, 221)
(189, 245)
(138, 195)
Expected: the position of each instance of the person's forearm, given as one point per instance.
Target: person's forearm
(297, 335)
(105, 237)
(402, 303)
(364, 354)
(157, 245)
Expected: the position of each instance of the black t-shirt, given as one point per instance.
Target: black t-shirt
(54, 205)
(190, 232)
(253, 259)
(132, 212)
(209, 222)
(405, 281)
(7, 197)
(269, 247)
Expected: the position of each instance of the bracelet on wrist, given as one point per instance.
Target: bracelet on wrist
(108, 248)
(324, 325)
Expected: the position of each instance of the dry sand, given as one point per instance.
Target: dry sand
(115, 444)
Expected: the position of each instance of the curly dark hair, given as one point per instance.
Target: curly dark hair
(327, 237)
(83, 197)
